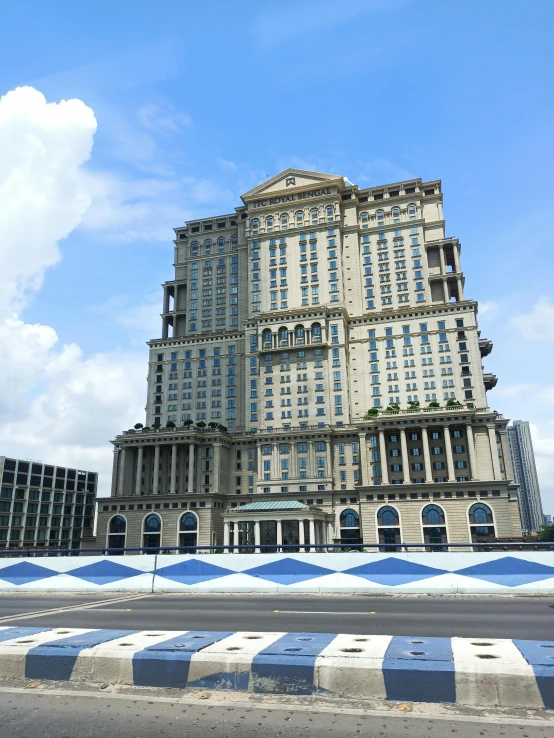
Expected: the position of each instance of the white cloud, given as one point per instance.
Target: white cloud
(55, 404)
(163, 118)
(226, 164)
(538, 324)
(489, 308)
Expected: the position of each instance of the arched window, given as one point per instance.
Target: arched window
(350, 527)
(207, 247)
(188, 531)
(283, 336)
(266, 339)
(411, 212)
(254, 225)
(299, 217)
(315, 215)
(269, 224)
(388, 528)
(316, 333)
(299, 335)
(481, 522)
(364, 218)
(194, 249)
(396, 215)
(330, 213)
(284, 218)
(152, 532)
(117, 532)
(434, 526)
(221, 244)
(380, 215)
(235, 240)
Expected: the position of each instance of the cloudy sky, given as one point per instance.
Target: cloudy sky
(121, 119)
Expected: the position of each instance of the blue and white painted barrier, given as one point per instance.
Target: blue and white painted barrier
(463, 671)
(417, 573)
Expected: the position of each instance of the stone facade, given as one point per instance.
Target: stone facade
(318, 345)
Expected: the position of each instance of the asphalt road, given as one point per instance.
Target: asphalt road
(75, 715)
(495, 617)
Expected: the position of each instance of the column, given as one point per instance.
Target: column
(460, 288)
(311, 460)
(330, 532)
(156, 472)
(312, 535)
(217, 462)
(449, 460)
(226, 535)
(293, 463)
(471, 452)
(364, 477)
(173, 473)
(199, 469)
(442, 260)
(121, 475)
(257, 535)
(279, 533)
(190, 485)
(426, 455)
(456, 252)
(494, 452)
(445, 290)
(301, 538)
(383, 457)
(329, 459)
(405, 462)
(275, 462)
(260, 471)
(138, 477)
(115, 467)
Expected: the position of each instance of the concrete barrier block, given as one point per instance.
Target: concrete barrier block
(352, 666)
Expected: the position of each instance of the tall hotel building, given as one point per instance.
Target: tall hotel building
(525, 475)
(320, 372)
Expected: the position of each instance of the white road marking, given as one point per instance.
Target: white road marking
(319, 612)
(69, 608)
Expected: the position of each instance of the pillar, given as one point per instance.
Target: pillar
(199, 468)
(449, 460)
(456, 251)
(383, 457)
(445, 290)
(329, 459)
(471, 452)
(217, 462)
(442, 260)
(460, 284)
(494, 452)
(260, 465)
(330, 532)
(364, 477)
(138, 477)
(190, 484)
(301, 538)
(405, 461)
(257, 535)
(156, 472)
(226, 535)
(115, 467)
(426, 455)
(312, 535)
(279, 533)
(121, 475)
(173, 474)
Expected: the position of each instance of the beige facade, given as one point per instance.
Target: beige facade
(324, 333)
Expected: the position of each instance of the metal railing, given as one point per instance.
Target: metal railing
(480, 546)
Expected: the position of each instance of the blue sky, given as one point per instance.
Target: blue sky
(195, 103)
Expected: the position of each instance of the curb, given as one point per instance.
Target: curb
(461, 671)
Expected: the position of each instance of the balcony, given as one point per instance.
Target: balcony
(490, 380)
(485, 346)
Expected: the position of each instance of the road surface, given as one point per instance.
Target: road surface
(465, 616)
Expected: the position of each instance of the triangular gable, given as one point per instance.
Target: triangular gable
(291, 180)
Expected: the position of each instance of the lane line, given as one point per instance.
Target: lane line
(69, 608)
(320, 612)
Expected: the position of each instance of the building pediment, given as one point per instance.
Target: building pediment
(291, 181)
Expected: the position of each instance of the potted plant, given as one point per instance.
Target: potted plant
(170, 424)
(188, 423)
(413, 405)
(392, 408)
(452, 402)
(434, 403)
(372, 412)
(138, 426)
(200, 424)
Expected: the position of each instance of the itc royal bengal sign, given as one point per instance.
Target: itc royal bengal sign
(290, 198)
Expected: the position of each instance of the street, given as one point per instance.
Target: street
(464, 616)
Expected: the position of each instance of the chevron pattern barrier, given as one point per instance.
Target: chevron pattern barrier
(477, 573)
(464, 671)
